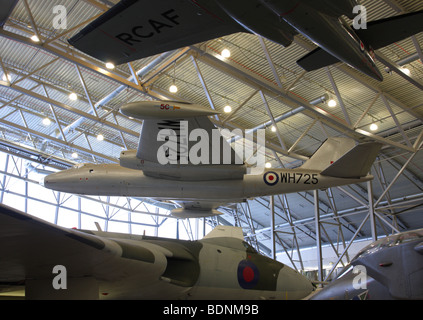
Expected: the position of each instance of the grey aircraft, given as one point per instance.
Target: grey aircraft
(135, 29)
(200, 188)
(388, 269)
(46, 261)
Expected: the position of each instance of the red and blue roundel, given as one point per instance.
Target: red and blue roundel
(248, 274)
(271, 178)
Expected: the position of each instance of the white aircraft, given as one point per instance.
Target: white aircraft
(179, 134)
(51, 262)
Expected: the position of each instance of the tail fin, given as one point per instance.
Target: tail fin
(225, 232)
(342, 158)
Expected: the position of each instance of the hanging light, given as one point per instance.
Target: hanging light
(6, 77)
(46, 121)
(110, 65)
(35, 38)
(74, 155)
(100, 137)
(406, 71)
(273, 128)
(374, 127)
(268, 165)
(173, 88)
(225, 53)
(332, 103)
(73, 96)
(227, 109)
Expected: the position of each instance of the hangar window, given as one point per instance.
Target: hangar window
(20, 189)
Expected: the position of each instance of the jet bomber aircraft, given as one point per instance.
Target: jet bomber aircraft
(200, 188)
(51, 262)
(135, 29)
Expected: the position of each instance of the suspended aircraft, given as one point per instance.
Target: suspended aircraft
(202, 173)
(46, 261)
(388, 269)
(134, 29)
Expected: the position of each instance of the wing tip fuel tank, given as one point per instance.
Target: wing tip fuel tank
(164, 110)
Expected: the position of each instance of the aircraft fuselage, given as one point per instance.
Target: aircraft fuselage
(219, 268)
(114, 180)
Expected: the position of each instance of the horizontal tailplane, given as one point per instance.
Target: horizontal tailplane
(356, 163)
(343, 158)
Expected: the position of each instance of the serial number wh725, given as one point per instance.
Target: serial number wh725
(272, 178)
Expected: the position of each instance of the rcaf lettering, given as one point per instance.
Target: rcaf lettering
(150, 28)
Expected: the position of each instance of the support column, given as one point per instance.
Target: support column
(318, 236)
(372, 210)
(272, 227)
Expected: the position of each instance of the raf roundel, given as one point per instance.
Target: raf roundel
(248, 274)
(271, 178)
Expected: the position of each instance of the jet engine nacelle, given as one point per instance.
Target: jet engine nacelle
(254, 17)
(192, 213)
(129, 159)
(334, 8)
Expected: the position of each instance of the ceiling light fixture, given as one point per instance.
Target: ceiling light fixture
(6, 77)
(46, 121)
(374, 127)
(332, 103)
(225, 53)
(406, 71)
(110, 65)
(100, 137)
(227, 109)
(73, 96)
(173, 88)
(35, 38)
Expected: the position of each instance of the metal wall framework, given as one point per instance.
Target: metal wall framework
(267, 89)
(20, 187)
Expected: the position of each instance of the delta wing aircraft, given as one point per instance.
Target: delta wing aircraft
(135, 29)
(388, 269)
(52, 262)
(222, 178)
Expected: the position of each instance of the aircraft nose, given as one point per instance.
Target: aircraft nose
(295, 285)
(48, 181)
(55, 181)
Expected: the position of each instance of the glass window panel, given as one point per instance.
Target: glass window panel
(114, 226)
(67, 218)
(42, 210)
(88, 222)
(143, 230)
(14, 201)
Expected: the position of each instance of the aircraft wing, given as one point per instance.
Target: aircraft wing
(31, 248)
(7, 7)
(379, 34)
(134, 29)
(191, 130)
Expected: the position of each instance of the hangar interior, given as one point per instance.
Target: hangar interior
(60, 107)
